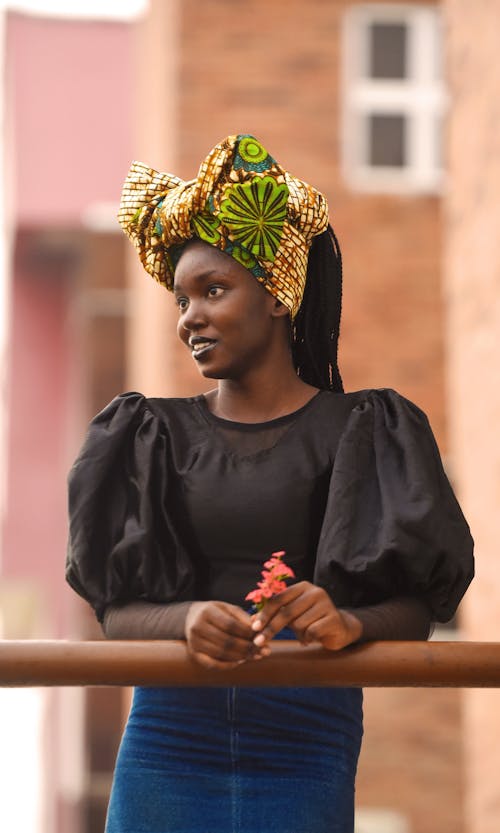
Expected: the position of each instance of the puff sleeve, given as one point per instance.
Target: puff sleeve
(124, 543)
(392, 524)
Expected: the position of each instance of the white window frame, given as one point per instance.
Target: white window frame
(380, 820)
(421, 97)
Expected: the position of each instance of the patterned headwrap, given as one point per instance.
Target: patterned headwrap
(242, 201)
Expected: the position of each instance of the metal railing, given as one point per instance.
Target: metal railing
(166, 663)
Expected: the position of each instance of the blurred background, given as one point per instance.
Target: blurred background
(393, 110)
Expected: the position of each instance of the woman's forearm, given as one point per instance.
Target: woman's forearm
(146, 620)
(404, 617)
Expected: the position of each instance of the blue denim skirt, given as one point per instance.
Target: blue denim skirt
(238, 760)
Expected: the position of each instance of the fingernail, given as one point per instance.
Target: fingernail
(256, 626)
(260, 639)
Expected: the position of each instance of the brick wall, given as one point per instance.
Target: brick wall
(472, 272)
(411, 759)
(273, 69)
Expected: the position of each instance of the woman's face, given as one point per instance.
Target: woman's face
(226, 318)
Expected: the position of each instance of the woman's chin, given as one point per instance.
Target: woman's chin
(219, 373)
(210, 371)
(211, 374)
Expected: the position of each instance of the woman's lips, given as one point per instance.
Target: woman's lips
(201, 348)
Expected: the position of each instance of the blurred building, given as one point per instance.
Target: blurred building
(353, 97)
(69, 136)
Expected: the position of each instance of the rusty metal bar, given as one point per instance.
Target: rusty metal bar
(158, 663)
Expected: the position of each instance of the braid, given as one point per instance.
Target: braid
(315, 330)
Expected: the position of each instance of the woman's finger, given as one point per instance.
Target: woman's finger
(210, 663)
(308, 626)
(227, 618)
(275, 604)
(283, 618)
(219, 644)
(232, 619)
(333, 631)
(348, 630)
(290, 607)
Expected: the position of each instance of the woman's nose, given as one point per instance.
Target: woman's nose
(194, 316)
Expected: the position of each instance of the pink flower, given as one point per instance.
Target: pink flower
(266, 592)
(273, 580)
(255, 596)
(275, 559)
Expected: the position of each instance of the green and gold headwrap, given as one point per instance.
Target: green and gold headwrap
(242, 202)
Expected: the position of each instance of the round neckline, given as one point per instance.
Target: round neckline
(251, 426)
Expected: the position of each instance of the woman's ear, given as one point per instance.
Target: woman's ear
(279, 310)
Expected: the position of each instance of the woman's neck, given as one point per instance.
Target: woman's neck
(260, 400)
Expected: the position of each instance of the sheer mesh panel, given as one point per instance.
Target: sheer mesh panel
(245, 443)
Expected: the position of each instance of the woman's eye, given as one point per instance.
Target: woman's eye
(215, 291)
(182, 303)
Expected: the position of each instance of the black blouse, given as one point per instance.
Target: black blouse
(170, 503)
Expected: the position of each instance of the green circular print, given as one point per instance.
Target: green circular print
(242, 256)
(251, 150)
(206, 227)
(254, 213)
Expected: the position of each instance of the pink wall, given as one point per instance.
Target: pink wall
(70, 85)
(35, 528)
(69, 89)
(69, 115)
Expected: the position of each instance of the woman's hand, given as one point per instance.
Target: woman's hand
(310, 612)
(220, 635)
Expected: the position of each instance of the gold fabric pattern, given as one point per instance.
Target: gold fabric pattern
(242, 201)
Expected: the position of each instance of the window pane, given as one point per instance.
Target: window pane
(386, 135)
(388, 48)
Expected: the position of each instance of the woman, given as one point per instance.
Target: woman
(175, 504)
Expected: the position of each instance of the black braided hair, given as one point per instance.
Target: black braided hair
(315, 330)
